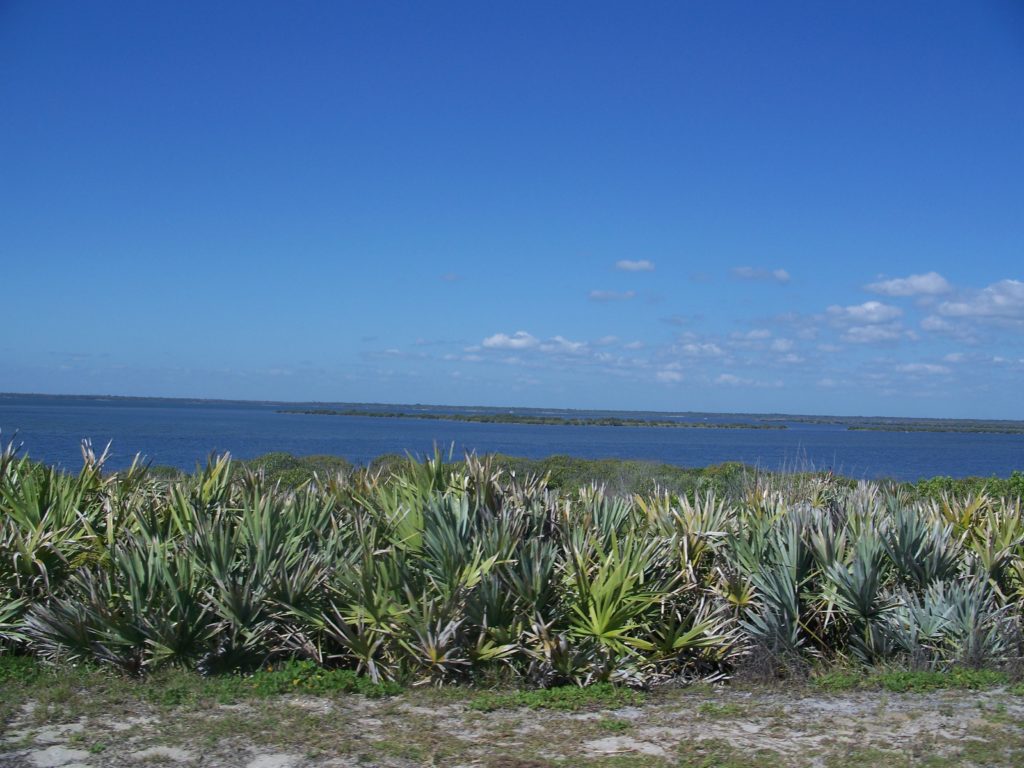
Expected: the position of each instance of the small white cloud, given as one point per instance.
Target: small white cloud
(1004, 299)
(634, 345)
(782, 345)
(807, 333)
(764, 275)
(829, 348)
(928, 368)
(868, 312)
(791, 359)
(518, 340)
(730, 380)
(954, 357)
(606, 341)
(935, 323)
(611, 295)
(870, 334)
(642, 265)
(695, 349)
(827, 382)
(560, 344)
(669, 377)
(928, 284)
(758, 334)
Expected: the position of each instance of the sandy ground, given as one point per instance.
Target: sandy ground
(711, 727)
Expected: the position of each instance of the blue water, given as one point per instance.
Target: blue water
(182, 433)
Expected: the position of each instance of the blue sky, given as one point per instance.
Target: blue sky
(799, 206)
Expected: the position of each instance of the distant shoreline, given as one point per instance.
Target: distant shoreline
(979, 428)
(512, 418)
(567, 416)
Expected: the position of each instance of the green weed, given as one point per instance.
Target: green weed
(566, 698)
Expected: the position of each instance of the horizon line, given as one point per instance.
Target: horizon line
(491, 407)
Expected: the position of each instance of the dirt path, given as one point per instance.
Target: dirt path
(708, 727)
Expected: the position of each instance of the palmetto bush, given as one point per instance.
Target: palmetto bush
(428, 573)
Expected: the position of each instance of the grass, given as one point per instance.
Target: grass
(23, 677)
(714, 709)
(908, 681)
(564, 698)
(307, 677)
(719, 753)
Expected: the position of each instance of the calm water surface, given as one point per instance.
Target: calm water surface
(181, 433)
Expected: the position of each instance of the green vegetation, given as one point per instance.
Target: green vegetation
(939, 425)
(564, 698)
(173, 687)
(693, 420)
(521, 418)
(728, 481)
(293, 471)
(913, 681)
(936, 488)
(432, 572)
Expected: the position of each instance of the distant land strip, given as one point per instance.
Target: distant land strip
(512, 418)
(991, 429)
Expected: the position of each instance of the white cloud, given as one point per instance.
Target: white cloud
(696, 349)
(1004, 299)
(961, 330)
(518, 340)
(827, 382)
(935, 323)
(870, 334)
(643, 265)
(730, 380)
(754, 273)
(807, 333)
(868, 312)
(929, 368)
(669, 377)
(928, 284)
(954, 357)
(782, 345)
(562, 345)
(634, 345)
(611, 295)
(758, 334)
(606, 341)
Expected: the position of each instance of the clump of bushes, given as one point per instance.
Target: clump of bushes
(426, 571)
